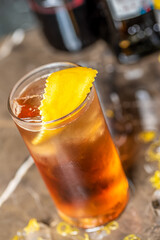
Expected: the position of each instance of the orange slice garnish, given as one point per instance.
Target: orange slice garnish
(65, 90)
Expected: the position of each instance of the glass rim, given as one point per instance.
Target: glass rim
(31, 73)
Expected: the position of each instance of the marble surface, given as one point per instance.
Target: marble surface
(131, 100)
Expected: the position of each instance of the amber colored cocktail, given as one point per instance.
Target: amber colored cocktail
(75, 156)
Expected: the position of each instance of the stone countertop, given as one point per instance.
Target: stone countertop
(130, 98)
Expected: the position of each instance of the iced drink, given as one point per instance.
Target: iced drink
(74, 154)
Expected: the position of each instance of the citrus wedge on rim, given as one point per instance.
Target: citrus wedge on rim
(64, 91)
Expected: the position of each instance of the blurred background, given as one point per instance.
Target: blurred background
(131, 30)
(15, 14)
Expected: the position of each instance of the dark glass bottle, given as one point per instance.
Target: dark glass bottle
(130, 28)
(67, 24)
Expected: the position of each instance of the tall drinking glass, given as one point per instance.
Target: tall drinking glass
(74, 154)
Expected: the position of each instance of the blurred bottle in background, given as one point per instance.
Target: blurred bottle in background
(131, 103)
(69, 25)
(130, 28)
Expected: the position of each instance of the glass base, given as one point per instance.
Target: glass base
(94, 222)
